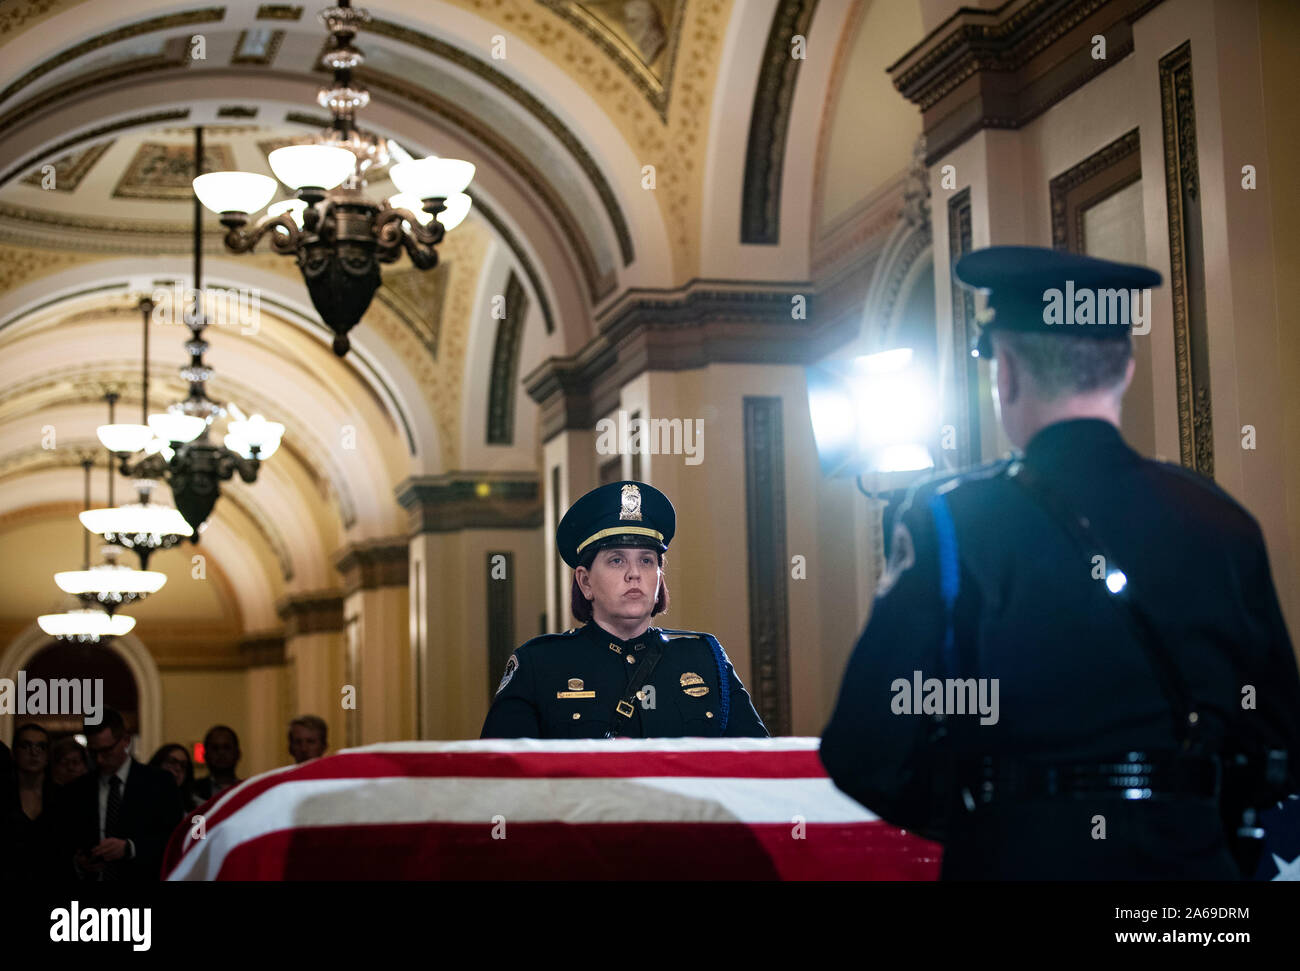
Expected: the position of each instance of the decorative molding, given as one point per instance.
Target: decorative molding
(186, 18)
(374, 564)
(137, 121)
(657, 90)
(505, 365)
(1079, 188)
(1002, 67)
(500, 618)
(260, 58)
(530, 270)
(530, 103)
(966, 400)
(262, 650)
(466, 500)
(279, 11)
(175, 56)
(769, 612)
(166, 172)
(70, 169)
(416, 298)
(704, 322)
(235, 111)
(1186, 262)
(311, 613)
(769, 121)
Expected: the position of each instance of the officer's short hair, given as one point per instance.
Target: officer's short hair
(312, 723)
(216, 729)
(581, 606)
(1062, 365)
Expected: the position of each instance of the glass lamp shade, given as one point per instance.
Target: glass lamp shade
(234, 191)
(137, 518)
(255, 431)
(432, 178)
(124, 438)
(85, 625)
(109, 579)
(294, 207)
(157, 445)
(317, 166)
(457, 208)
(173, 426)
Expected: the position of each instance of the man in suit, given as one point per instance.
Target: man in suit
(114, 823)
(1071, 649)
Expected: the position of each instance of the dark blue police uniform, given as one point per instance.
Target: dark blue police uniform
(1126, 611)
(589, 683)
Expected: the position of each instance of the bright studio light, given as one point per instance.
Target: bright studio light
(874, 413)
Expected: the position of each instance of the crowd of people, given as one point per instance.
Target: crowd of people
(70, 812)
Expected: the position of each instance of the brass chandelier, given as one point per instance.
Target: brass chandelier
(338, 235)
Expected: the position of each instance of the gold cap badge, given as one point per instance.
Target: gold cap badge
(631, 503)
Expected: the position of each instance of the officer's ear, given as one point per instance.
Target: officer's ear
(583, 578)
(1010, 374)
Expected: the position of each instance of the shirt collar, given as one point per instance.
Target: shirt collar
(121, 773)
(1074, 442)
(604, 638)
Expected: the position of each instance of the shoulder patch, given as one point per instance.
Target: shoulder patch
(512, 666)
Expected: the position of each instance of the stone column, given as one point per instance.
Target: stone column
(378, 660)
(314, 650)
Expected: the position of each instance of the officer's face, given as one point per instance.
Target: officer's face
(304, 744)
(622, 583)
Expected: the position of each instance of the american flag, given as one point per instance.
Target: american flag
(650, 809)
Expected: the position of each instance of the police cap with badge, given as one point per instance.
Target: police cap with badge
(1020, 281)
(620, 514)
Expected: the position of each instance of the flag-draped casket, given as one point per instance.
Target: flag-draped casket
(671, 809)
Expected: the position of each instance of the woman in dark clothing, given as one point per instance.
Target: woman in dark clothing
(176, 760)
(29, 817)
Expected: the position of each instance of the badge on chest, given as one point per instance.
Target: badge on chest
(693, 685)
(575, 690)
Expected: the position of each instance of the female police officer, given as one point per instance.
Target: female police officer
(617, 675)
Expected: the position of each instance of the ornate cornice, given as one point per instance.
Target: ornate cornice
(705, 322)
(262, 650)
(311, 613)
(468, 500)
(1002, 67)
(760, 207)
(373, 564)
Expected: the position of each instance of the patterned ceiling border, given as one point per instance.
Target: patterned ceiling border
(1027, 51)
(598, 286)
(79, 164)
(265, 58)
(657, 92)
(187, 18)
(175, 55)
(31, 161)
(279, 11)
(530, 103)
(769, 122)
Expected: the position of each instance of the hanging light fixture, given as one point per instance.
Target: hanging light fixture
(182, 453)
(88, 624)
(142, 526)
(337, 234)
(109, 584)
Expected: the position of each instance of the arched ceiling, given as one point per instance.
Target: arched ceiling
(561, 104)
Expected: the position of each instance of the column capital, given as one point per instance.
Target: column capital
(1002, 67)
(371, 564)
(261, 650)
(315, 612)
(471, 500)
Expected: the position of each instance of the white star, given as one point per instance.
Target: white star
(1285, 870)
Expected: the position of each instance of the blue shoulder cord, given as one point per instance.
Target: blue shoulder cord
(724, 683)
(949, 576)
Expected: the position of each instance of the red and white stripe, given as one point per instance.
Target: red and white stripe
(609, 809)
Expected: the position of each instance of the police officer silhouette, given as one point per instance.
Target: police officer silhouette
(1123, 606)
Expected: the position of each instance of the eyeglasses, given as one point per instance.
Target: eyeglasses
(107, 748)
(33, 746)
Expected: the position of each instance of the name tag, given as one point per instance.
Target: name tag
(575, 694)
